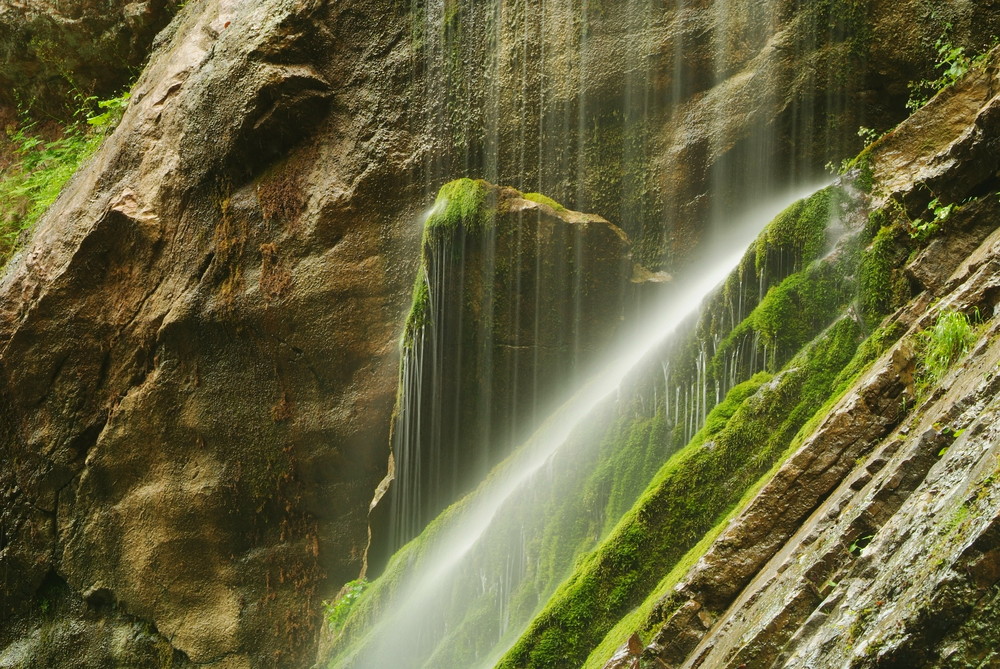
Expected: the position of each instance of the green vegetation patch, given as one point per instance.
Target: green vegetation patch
(691, 493)
(952, 335)
(336, 612)
(793, 312)
(470, 203)
(874, 346)
(466, 204)
(881, 282)
(953, 63)
(544, 199)
(798, 235)
(41, 167)
(800, 306)
(420, 310)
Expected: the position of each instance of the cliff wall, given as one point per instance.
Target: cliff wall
(199, 340)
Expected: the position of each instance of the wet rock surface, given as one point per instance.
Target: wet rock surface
(521, 296)
(874, 544)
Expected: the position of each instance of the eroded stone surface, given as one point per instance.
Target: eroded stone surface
(211, 312)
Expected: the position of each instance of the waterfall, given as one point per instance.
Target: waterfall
(674, 120)
(601, 106)
(449, 598)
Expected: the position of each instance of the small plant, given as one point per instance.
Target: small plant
(860, 165)
(949, 432)
(336, 612)
(835, 169)
(42, 166)
(113, 108)
(939, 213)
(869, 135)
(860, 544)
(952, 335)
(953, 63)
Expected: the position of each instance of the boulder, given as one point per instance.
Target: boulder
(198, 345)
(515, 296)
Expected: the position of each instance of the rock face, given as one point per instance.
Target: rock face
(901, 553)
(198, 347)
(198, 354)
(515, 295)
(875, 544)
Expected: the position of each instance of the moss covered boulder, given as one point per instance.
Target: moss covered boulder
(515, 294)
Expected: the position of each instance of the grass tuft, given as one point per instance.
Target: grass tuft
(948, 340)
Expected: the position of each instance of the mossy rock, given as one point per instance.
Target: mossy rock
(514, 292)
(470, 203)
(798, 235)
(544, 199)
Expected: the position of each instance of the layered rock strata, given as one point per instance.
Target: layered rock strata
(875, 543)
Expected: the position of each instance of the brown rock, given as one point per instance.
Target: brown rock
(860, 570)
(198, 349)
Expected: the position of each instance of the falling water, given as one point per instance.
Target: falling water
(456, 582)
(620, 107)
(637, 110)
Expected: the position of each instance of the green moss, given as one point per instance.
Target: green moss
(877, 220)
(882, 285)
(977, 642)
(798, 234)
(647, 617)
(873, 347)
(822, 364)
(470, 203)
(419, 310)
(719, 417)
(941, 345)
(861, 164)
(544, 199)
(791, 313)
(865, 180)
(796, 309)
(686, 499)
(805, 295)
